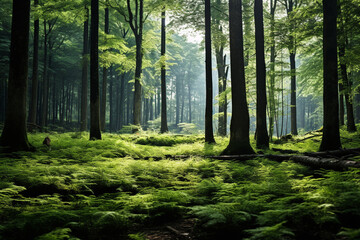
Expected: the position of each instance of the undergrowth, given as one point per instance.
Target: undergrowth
(81, 189)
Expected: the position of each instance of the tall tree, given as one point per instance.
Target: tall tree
(273, 4)
(239, 127)
(209, 135)
(219, 40)
(331, 136)
(34, 82)
(84, 76)
(164, 127)
(262, 138)
(346, 83)
(104, 79)
(14, 135)
(95, 132)
(290, 5)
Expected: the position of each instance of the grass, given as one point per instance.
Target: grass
(83, 189)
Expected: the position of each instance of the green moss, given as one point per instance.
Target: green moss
(101, 189)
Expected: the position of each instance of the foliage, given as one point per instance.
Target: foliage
(84, 189)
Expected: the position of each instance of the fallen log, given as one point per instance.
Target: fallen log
(335, 153)
(314, 162)
(284, 150)
(326, 160)
(301, 140)
(326, 163)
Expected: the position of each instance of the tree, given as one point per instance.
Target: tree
(209, 135)
(164, 127)
(239, 127)
(95, 132)
(136, 22)
(34, 84)
(262, 138)
(331, 136)
(220, 41)
(84, 76)
(290, 5)
(345, 86)
(14, 135)
(272, 110)
(104, 78)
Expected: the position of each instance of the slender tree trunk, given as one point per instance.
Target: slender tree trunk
(164, 126)
(14, 135)
(341, 108)
(122, 100)
(104, 80)
(350, 123)
(293, 94)
(95, 132)
(177, 99)
(182, 101)
(158, 103)
(331, 134)
(45, 81)
(220, 60)
(262, 138)
(209, 135)
(34, 85)
(239, 128)
(272, 69)
(151, 108)
(84, 76)
(111, 100)
(189, 97)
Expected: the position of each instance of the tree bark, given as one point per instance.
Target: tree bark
(14, 135)
(104, 80)
(35, 80)
(95, 132)
(350, 123)
(331, 135)
(272, 70)
(262, 137)
(164, 126)
(84, 76)
(341, 107)
(209, 135)
(45, 94)
(239, 128)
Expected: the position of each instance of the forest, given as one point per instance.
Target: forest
(179, 119)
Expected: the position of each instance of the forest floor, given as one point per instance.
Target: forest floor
(133, 187)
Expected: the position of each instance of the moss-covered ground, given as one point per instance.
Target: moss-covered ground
(81, 189)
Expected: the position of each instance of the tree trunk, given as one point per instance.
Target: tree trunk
(111, 101)
(262, 138)
(331, 135)
(350, 123)
(220, 60)
(104, 80)
(95, 132)
(209, 135)
(34, 85)
(84, 76)
(293, 94)
(45, 94)
(164, 126)
(14, 135)
(151, 108)
(272, 70)
(177, 99)
(189, 97)
(239, 128)
(341, 107)
(122, 100)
